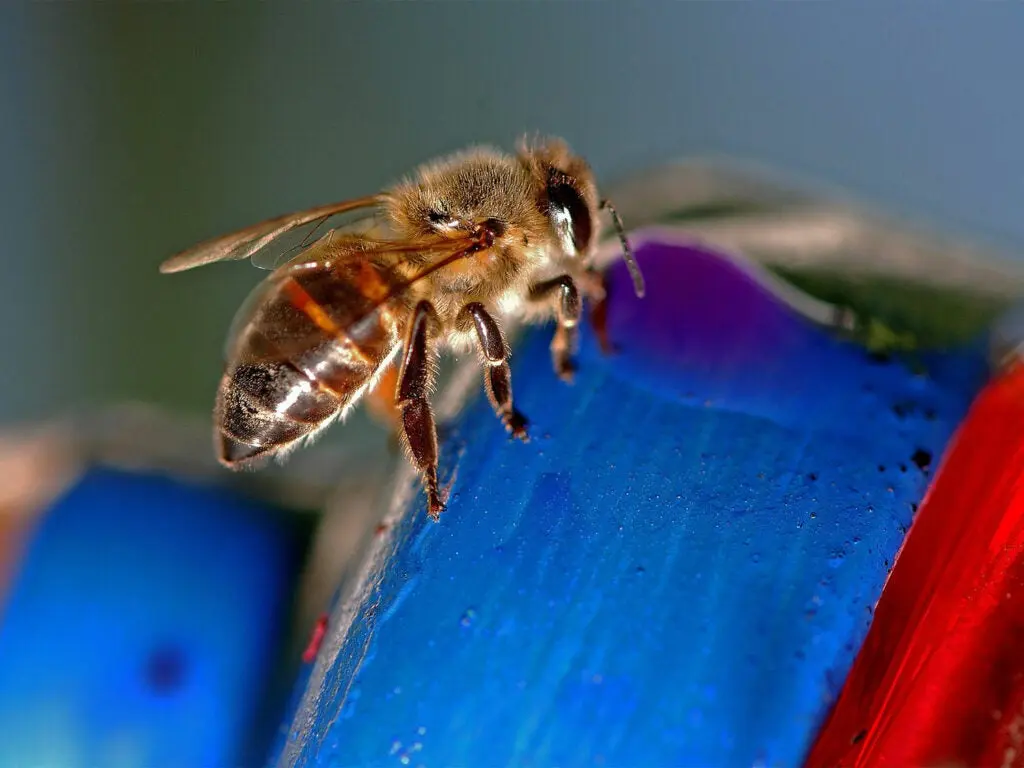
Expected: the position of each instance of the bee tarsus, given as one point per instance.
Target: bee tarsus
(497, 374)
(562, 292)
(418, 429)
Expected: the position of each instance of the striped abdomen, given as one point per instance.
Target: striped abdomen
(310, 347)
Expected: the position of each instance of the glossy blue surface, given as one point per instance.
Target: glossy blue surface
(680, 567)
(142, 627)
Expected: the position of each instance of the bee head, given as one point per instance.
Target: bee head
(568, 196)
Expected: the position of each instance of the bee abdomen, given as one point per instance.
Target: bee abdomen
(306, 354)
(263, 407)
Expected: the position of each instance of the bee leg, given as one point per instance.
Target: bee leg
(417, 421)
(497, 374)
(593, 284)
(563, 291)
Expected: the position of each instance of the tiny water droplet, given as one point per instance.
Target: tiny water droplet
(468, 617)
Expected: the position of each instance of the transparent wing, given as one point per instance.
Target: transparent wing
(349, 253)
(246, 242)
(286, 247)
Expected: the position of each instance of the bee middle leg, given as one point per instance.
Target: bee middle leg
(497, 374)
(418, 430)
(562, 290)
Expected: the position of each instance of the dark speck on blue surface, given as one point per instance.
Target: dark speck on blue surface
(143, 625)
(165, 669)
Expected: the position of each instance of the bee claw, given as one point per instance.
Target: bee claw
(434, 508)
(566, 371)
(516, 423)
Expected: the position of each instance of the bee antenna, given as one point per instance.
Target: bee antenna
(627, 252)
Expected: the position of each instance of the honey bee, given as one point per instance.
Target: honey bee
(467, 239)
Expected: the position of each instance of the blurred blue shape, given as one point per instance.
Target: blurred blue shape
(143, 627)
(680, 567)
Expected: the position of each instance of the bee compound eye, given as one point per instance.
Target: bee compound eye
(569, 215)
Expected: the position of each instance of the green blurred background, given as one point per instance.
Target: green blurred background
(131, 131)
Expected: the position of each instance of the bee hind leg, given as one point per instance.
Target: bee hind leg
(497, 374)
(418, 431)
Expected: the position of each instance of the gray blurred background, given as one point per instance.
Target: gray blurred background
(130, 131)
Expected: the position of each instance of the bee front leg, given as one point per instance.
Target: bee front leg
(497, 374)
(418, 430)
(562, 290)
